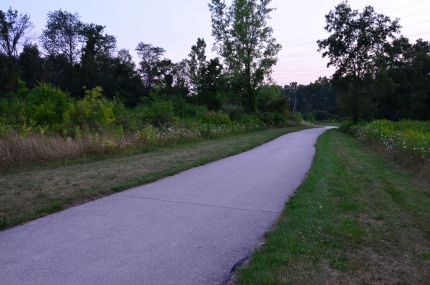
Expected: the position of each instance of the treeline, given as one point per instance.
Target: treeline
(71, 55)
(316, 101)
(74, 78)
(379, 73)
(76, 58)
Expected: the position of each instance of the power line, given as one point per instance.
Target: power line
(298, 51)
(292, 55)
(304, 72)
(303, 37)
(301, 44)
(417, 13)
(407, 6)
(415, 35)
(419, 23)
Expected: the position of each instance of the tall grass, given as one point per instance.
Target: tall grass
(406, 137)
(18, 149)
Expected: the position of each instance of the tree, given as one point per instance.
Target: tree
(315, 101)
(151, 63)
(409, 71)
(181, 79)
(356, 46)
(62, 34)
(13, 27)
(196, 62)
(97, 49)
(210, 84)
(31, 65)
(127, 84)
(245, 41)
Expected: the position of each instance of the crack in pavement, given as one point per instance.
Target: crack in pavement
(203, 205)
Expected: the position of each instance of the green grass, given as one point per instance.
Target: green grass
(32, 192)
(357, 219)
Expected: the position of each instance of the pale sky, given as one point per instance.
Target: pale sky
(176, 24)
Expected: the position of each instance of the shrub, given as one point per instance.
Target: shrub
(159, 113)
(214, 118)
(267, 96)
(4, 129)
(93, 112)
(41, 107)
(183, 109)
(274, 119)
(295, 118)
(47, 106)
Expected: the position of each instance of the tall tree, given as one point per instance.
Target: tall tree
(150, 63)
(196, 62)
(97, 49)
(210, 84)
(61, 35)
(31, 65)
(128, 84)
(13, 27)
(245, 40)
(355, 47)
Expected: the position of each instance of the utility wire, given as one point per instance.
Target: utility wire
(414, 14)
(407, 6)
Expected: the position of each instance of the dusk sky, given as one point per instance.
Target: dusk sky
(175, 26)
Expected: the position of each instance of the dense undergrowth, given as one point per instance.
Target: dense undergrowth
(46, 123)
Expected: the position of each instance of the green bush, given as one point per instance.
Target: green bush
(93, 112)
(274, 119)
(273, 107)
(183, 109)
(159, 113)
(47, 106)
(269, 98)
(4, 129)
(295, 118)
(214, 118)
(41, 107)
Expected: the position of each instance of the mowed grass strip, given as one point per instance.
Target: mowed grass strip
(357, 219)
(27, 194)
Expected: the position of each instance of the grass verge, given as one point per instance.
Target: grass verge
(29, 193)
(357, 219)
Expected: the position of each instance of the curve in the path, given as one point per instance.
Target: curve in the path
(190, 228)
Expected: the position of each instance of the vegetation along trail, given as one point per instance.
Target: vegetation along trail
(163, 232)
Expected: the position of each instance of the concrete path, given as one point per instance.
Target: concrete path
(191, 228)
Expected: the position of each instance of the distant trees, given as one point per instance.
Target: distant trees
(196, 63)
(211, 83)
(245, 41)
(31, 63)
(355, 47)
(151, 63)
(96, 54)
(205, 76)
(379, 74)
(316, 101)
(76, 56)
(13, 27)
(406, 81)
(61, 35)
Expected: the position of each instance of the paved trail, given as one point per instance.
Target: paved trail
(191, 228)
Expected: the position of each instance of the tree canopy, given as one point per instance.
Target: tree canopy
(245, 40)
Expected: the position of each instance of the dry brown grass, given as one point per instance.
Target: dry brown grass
(16, 149)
